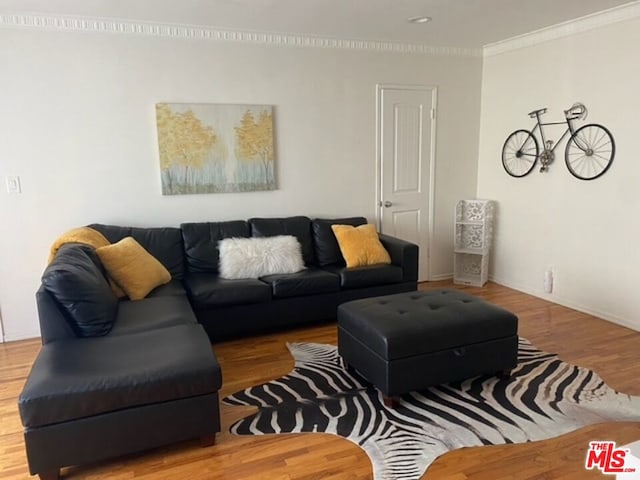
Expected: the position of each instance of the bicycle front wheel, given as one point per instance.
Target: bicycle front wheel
(520, 153)
(590, 151)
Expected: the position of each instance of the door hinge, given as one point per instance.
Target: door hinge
(433, 114)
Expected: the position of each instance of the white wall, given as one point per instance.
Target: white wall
(78, 126)
(586, 230)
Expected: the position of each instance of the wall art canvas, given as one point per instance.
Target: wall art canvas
(215, 148)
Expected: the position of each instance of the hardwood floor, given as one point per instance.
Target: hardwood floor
(611, 350)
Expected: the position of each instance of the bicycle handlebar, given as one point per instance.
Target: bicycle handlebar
(576, 111)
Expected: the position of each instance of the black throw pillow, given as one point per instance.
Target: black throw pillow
(299, 227)
(327, 248)
(82, 291)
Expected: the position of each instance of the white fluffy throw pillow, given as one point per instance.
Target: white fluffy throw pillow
(258, 256)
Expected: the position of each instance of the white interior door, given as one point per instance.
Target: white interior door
(406, 145)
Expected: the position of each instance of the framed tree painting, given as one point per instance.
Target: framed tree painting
(215, 148)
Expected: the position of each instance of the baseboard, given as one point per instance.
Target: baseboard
(23, 335)
(441, 276)
(604, 315)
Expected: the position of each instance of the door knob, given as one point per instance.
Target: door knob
(387, 204)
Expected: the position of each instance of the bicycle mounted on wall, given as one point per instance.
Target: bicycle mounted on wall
(588, 154)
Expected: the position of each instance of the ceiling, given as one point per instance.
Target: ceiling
(456, 23)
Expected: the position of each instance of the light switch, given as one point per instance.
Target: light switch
(13, 185)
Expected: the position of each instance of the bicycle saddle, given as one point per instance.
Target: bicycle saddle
(536, 112)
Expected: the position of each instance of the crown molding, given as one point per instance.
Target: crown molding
(583, 24)
(65, 23)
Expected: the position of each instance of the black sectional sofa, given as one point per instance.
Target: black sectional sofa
(152, 378)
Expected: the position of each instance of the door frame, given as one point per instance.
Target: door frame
(380, 87)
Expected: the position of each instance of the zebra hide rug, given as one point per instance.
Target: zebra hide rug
(545, 397)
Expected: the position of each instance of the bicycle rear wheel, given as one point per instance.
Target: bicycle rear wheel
(590, 151)
(520, 153)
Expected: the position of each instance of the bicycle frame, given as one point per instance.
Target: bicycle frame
(547, 155)
(539, 126)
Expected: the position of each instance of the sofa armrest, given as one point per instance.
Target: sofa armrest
(53, 324)
(403, 254)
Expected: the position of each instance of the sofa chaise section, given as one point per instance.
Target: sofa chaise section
(97, 398)
(151, 379)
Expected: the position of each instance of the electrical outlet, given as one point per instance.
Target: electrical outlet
(13, 184)
(2, 339)
(548, 281)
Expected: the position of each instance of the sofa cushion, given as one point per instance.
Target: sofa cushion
(75, 379)
(258, 256)
(79, 286)
(134, 269)
(326, 246)
(164, 243)
(360, 246)
(208, 289)
(152, 313)
(367, 276)
(307, 282)
(201, 242)
(174, 287)
(299, 227)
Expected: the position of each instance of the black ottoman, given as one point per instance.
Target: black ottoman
(411, 341)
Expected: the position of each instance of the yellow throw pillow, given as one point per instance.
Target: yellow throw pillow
(133, 268)
(360, 246)
(84, 235)
(117, 291)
